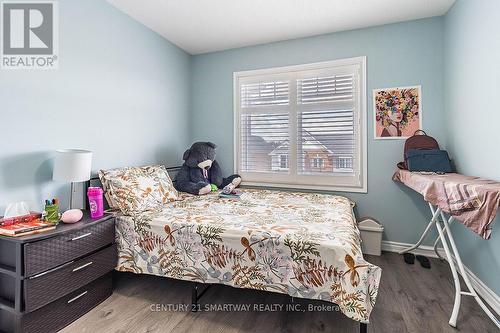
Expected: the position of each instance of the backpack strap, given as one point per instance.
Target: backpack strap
(419, 130)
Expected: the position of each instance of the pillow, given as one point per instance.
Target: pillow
(103, 176)
(137, 189)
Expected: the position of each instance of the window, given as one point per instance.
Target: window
(317, 162)
(302, 126)
(284, 161)
(343, 163)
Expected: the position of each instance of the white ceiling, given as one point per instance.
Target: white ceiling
(201, 26)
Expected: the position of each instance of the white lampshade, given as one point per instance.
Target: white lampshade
(72, 165)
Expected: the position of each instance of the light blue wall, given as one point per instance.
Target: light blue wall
(126, 91)
(472, 83)
(397, 55)
(121, 91)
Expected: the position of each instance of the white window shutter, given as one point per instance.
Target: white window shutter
(326, 134)
(321, 89)
(264, 137)
(264, 94)
(302, 126)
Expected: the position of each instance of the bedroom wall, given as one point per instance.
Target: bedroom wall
(122, 87)
(472, 79)
(397, 55)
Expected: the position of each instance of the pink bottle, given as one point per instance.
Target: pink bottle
(95, 202)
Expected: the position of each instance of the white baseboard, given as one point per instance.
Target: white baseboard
(423, 250)
(488, 295)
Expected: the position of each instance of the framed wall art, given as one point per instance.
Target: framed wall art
(397, 112)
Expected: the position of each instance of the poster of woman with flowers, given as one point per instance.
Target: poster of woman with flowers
(398, 112)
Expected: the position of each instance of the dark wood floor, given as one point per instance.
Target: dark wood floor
(411, 299)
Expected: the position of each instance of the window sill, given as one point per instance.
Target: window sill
(326, 188)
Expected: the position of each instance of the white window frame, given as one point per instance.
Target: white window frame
(317, 162)
(287, 162)
(345, 158)
(276, 180)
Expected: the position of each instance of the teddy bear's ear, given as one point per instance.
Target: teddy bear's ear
(213, 145)
(186, 154)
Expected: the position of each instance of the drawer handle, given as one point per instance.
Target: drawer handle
(51, 270)
(81, 236)
(77, 297)
(82, 266)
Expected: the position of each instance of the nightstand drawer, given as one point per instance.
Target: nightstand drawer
(49, 253)
(67, 309)
(46, 287)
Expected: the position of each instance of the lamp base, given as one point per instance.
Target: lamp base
(71, 195)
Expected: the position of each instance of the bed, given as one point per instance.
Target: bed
(301, 244)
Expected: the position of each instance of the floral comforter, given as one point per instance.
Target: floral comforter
(302, 244)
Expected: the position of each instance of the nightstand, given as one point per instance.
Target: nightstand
(50, 279)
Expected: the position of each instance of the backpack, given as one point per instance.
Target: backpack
(417, 141)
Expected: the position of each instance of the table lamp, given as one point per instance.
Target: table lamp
(72, 165)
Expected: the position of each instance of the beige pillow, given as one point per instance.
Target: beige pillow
(137, 189)
(103, 176)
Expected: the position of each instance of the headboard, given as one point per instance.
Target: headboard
(95, 181)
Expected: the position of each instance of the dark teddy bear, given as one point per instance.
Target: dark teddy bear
(200, 169)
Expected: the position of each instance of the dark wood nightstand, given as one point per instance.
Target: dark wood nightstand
(50, 279)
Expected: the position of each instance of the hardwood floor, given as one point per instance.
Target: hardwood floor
(411, 299)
